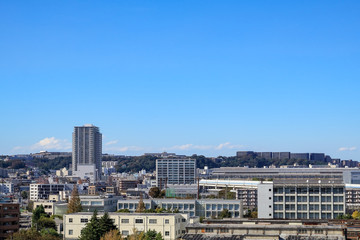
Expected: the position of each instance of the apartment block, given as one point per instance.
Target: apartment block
(9, 219)
(87, 152)
(6, 188)
(175, 171)
(43, 191)
(248, 196)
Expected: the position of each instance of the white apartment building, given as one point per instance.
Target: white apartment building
(43, 191)
(175, 171)
(170, 225)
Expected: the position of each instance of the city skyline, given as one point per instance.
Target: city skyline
(190, 78)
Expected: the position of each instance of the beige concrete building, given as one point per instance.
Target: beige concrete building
(49, 206)
(170, 225)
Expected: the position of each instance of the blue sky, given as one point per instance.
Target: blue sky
(205, 77)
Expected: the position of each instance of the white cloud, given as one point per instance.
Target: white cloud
(49, 143)
(112, 142)
(347, 149)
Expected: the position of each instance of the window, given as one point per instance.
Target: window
(302, 231)
(209, 230)
(152, 221)
(70, 220)
(125, 233)
(224, 230)
(71, 232)
(139, 221)
(84, 220)
(318, 231)
(183, 220)
(167, 233)
(167, 221)
(124, 220)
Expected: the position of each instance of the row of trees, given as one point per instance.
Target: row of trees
(137, 163)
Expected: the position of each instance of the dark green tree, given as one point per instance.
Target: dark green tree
(24, 194)
(106, 224)
(92, 229)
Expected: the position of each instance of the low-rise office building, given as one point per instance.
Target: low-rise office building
(49, 206)
(200, 208)
(301, 199)
(170, 225)
(107, 203)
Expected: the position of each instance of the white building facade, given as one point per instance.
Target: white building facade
(170, 225)
(175, 171)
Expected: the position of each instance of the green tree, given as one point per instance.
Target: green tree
(37, 214)
(152, 235)
(106, 224)
(45, 232)
(74, 204)
(92, 229)
(224, 214)
(45, 223)
(24, 194)
(154, 192)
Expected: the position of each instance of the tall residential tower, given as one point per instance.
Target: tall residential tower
(87, 152)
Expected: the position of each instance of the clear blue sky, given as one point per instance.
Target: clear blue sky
(205, 77)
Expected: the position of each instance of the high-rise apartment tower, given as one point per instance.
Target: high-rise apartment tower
(87, 152)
